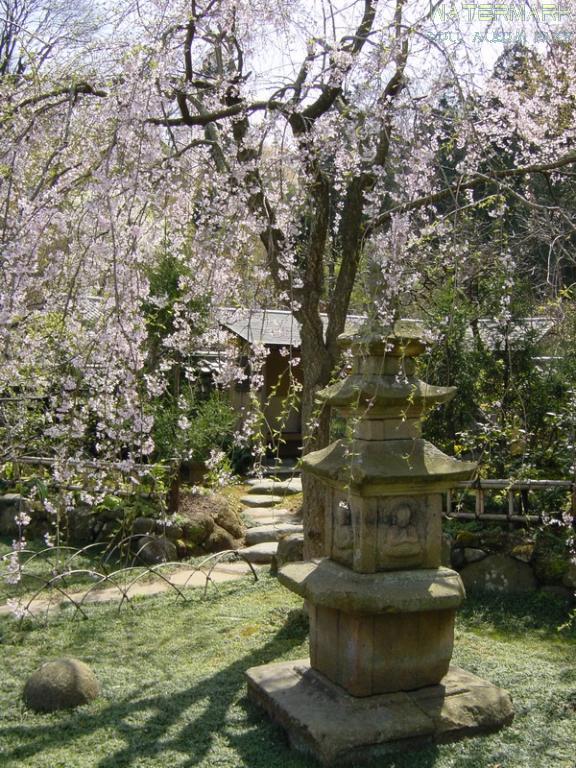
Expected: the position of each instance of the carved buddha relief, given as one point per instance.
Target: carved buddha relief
(401, 542)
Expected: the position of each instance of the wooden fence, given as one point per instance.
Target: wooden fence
(518, 507)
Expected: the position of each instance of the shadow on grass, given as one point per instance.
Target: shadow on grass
(214, 716)
(512, 615)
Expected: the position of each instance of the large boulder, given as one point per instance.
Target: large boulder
(169, 529)
(60, 684)
(219, 540)
(210, 522)
(143, 525)
(498, 573)
(197, 529)
(152, 550)
(228, 519)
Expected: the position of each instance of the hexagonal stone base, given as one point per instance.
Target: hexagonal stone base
(323, 720)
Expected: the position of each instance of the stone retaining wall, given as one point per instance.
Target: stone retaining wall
(513, 561)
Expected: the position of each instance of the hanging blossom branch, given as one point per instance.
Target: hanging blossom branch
(454, 190)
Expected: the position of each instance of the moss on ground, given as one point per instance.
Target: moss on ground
(173, 691)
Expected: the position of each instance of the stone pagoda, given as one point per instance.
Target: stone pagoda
(381, 605)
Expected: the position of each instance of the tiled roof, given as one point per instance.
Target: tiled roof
(520, 331)
(271, 327)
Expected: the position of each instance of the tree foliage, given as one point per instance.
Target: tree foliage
(309, 154)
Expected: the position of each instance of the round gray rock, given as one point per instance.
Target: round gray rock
(290, 549)
(143, 525)
(499, 573)
(60, 684)
(152, 550)
(472, 555)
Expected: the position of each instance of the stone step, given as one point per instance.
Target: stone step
(270, 532)
(277, 514)
(283, 468)
(282, 488)
(281, 473)
(260, 553)
(272, 520)
(260, 500)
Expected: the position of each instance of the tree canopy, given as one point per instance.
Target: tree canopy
(311, 155)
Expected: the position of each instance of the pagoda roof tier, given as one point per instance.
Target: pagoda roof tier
(377, 467)
(385, 391)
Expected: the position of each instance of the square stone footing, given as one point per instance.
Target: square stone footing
(323, 720)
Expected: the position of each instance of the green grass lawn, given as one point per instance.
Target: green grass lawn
(173, 692)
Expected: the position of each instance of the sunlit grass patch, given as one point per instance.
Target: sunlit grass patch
(173, 690)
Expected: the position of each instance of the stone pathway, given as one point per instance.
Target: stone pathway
(183, 577)
(260, 500)
(270, 532)
(283, 468)
(262, 553)
(266, 521)
(281, 488)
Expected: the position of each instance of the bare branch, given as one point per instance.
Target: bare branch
(212, 117)
(302, 121)
(67, 90)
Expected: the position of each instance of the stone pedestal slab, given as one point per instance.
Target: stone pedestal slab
(323, 720)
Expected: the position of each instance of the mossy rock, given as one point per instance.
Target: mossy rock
(184, 549)
(498, 573)
(152, 550)
(60, 684)
(495, 540)
(523, 552)
(467, 539)
(491, 539)
(202, 513)
(172, 532)
(197, 529)
(229, 520)
(219, 540)
(143, 525)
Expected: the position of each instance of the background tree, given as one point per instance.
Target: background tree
(357, 175)
(314, 128)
